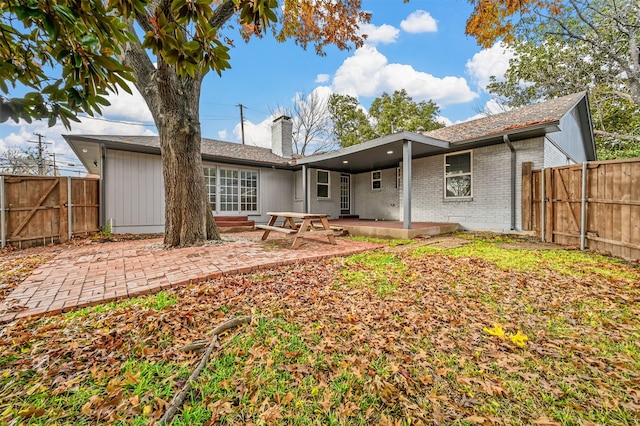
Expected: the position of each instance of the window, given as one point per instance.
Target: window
(228, 190)
(210, 183)
(457, 175)
(231, 190)
(376, 179)
(248, 190)
(322, 184)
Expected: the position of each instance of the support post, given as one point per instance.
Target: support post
(406, 183)
(69, 208)
(583, 208)
(3, 218)
(305, 190)
(542, 206)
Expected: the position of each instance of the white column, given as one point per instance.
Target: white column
(406, 182)
(305, 197)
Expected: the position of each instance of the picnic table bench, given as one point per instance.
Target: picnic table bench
(300, 230)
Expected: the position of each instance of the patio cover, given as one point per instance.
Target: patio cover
(381, 153)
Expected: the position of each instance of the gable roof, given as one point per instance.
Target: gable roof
(86, 149)
(543, 115)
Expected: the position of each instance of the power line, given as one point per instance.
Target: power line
(130, 123)
(41, 149)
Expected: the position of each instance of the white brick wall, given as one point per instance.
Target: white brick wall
(490, 207)
(553, 156)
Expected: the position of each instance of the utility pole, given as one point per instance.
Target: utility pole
(41, 149)
(241, 122)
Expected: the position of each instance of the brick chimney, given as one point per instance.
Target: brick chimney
(281, 136)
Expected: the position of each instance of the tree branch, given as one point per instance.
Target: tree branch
(222, 14)
(178, 400)
(614, 135)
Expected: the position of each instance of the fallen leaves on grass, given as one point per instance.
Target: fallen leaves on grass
(405, 347)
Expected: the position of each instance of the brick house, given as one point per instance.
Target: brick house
(467, 173)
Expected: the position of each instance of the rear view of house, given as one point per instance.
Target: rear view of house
(468, 173)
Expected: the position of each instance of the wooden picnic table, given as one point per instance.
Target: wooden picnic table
(300, 231)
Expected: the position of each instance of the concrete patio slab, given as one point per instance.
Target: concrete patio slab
(104, 272)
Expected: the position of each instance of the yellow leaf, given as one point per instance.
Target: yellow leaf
(495, 331)
(519, 339)
(147, 410)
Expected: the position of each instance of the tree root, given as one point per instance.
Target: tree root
(178, 400)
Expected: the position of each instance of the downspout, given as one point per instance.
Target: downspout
(305, 192)
(513, 181)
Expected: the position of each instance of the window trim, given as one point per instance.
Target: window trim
(379, 180)
(217, 167)
(327, 184)
(470, 174)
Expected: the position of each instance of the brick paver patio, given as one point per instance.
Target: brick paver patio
(103, 272)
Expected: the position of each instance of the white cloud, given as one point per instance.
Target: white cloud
(255, 134)
(118, 119)
(491, 107)
(444, 120)
(322, 78)
(368, 73)
(222, 134)
(489, 62)
(383, 34)
(419, 21)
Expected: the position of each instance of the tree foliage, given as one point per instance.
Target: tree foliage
(387, 114)
(350, 123)
(166, 47)
(62, 54)
(581, 45)
(16, 161)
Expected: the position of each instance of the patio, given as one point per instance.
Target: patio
(393, 228)
(97, 273)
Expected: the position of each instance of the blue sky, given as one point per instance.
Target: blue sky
(419, 46)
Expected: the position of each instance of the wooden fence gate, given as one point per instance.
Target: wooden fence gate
(593, 205)
(36, 210)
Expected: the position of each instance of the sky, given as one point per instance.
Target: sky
(418, 46)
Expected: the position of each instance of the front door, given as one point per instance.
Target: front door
(345, 194)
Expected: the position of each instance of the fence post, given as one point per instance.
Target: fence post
(583, 207)
(549, 213)
(69, 207)
(3, 222)
(542, 207)
(527, 195)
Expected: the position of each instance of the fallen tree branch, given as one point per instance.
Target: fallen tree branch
(178, 400)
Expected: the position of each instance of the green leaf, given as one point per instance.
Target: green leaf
(89, 40)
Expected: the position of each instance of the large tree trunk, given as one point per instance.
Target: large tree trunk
(188, 217)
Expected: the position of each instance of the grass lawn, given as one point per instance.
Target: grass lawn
(476, 334)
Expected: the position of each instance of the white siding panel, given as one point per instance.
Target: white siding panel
(134, 192)
(380, 203)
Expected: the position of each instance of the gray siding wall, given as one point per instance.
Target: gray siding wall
(570, 139)
(380, 203)
(134, 192)
(276, 189)
(331, 205)
(490, 207)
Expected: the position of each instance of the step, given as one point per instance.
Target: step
(231, 218)
(349, 216)
(232, 223)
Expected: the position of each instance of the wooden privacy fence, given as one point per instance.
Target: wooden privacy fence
(37, 210)
(593, 205)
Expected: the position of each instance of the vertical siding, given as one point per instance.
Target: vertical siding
(331, 205)
(134, 192)
(276, 189)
